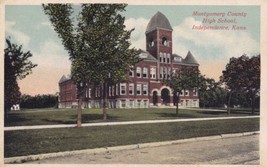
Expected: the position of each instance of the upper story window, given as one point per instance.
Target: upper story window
(168, 57)
(145, 89)
(123, 89)
(153, 72)
(131, 89)
(131, 73)
(161, 72)
(138, 72)
(138, 89)
(117, 89)
(109, 90)
(194, 92)
(186, 92)
(165, 41)
(145, 71)
(182, 93)
(164, 58)
(151, 43)
(160, 57)
(89, 92)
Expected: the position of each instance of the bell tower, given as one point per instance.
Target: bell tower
(159, 42)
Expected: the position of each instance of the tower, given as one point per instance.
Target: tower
(159, 42)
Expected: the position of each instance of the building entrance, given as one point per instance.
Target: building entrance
(165, 96)
(155, 98)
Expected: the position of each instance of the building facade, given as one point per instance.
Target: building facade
(146, 88)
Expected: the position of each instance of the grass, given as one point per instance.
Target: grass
(27, 142)
(68, 116)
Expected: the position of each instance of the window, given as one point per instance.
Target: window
(186, 93)
(109, 90)
(145, 72)
(89, 92)
(138, 72)
(194, 92)
(123, 89)
(117, 89)
(112, 92)
(86, 93)
(131, 73)
(139, 103)
(131, 103)
(160, 57)
(123, 103)
(168, 58)
(182, 93)
(165, 41)
(169, 72)
(131, 89)
(165, 72)
(153, 72)
(161, 72)
(138, 89)
(164, 58)
(145, 103)
(145, 89)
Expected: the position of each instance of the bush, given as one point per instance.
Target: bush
(39, 101)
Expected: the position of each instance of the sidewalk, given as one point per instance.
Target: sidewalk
(121, 123)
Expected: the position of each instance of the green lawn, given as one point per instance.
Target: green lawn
(68, 116)
(27, 142)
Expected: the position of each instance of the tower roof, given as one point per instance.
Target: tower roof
(159, 20)
(189, 59)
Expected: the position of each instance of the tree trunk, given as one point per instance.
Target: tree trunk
(229, 103)
(79, 111)
(80, 102)
(104, 89)
(253, 104)
(177, 104)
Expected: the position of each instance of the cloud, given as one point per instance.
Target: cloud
(20, 37)
(52, 55)
(138, 35)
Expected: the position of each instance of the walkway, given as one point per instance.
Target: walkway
(122, 123)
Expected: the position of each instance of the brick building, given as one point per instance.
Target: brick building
(145, 88)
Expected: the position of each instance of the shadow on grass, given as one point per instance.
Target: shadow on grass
(223, 113)
(86, 118)
(12, 118)
(173, 115)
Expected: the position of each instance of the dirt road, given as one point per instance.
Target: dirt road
(237, 150)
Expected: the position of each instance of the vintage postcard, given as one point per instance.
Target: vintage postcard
(133, 82)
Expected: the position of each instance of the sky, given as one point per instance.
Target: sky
(29, 26)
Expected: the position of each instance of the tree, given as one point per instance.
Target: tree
(185, 79)
(17, 66)
(242, 74)
(99, 47)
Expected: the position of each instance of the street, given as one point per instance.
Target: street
(236, 150)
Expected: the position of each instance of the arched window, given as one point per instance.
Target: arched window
(165, 41)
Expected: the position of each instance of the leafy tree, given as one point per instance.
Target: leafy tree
(99, 47)
(17, 66)
(185, 79)
(242, 74)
